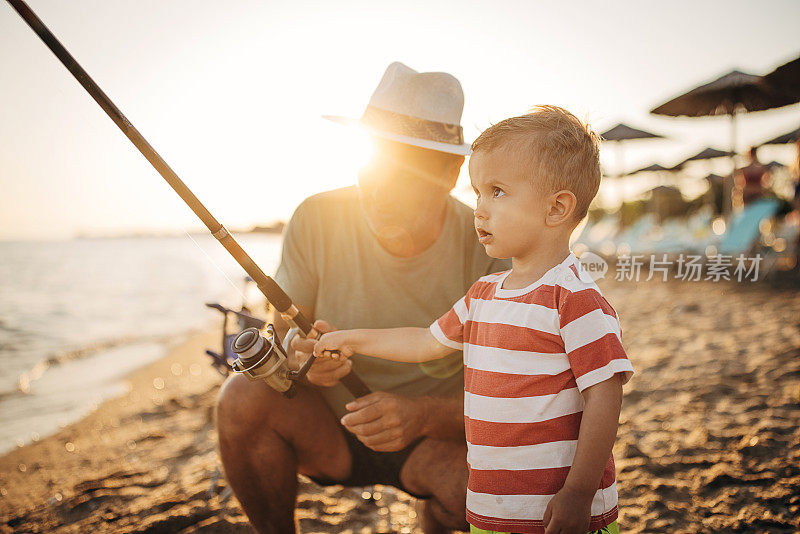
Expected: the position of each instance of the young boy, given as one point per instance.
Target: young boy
(544, 364)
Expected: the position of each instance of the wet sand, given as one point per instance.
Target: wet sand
(709, 438)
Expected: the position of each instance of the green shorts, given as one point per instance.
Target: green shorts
(611, 528)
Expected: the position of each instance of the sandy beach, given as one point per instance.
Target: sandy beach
(709, 438)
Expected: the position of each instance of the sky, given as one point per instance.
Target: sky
(232, 94)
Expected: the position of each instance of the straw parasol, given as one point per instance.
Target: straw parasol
(772, 165)
(654, 167)
(622, 132)
(706, 153)
(734, 92)
(786, 78)
(659, 170)
(728, 95)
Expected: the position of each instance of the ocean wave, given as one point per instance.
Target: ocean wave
(25, 379)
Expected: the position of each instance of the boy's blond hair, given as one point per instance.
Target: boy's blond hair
(561, 151)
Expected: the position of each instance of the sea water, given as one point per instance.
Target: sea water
(77, 316)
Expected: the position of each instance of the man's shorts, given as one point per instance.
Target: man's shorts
(372, 467)
(611, 528)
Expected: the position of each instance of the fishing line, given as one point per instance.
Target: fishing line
(268, 287)
(244, 298)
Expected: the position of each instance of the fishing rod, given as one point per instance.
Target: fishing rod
(259, 357)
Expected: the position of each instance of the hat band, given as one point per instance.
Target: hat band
(397, 123)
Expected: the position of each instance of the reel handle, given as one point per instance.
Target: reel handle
(351, 381)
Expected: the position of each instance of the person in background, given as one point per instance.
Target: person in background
(752, 179)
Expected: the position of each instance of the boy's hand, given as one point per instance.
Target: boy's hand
(324, 373)
(334, 345)
(568, 512)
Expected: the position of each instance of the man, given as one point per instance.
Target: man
(397, 250)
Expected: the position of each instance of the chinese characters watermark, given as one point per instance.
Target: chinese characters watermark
(688, 267)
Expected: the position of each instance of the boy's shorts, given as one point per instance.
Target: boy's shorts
(611, 528)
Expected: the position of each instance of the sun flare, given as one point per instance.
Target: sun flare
(356, 149)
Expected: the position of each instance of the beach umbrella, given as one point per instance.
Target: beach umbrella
(786, 78)
(728, 95)
(706, 153)
(788, 137)
(664, 174)
(655, 167)
(622, 132)
(660, 171)
(772, 165)
(734, 92)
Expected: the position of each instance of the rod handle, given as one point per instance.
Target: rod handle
(351, 380)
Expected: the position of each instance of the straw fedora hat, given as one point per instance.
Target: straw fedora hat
(415, 108)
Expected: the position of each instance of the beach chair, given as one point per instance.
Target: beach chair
(687, 235)
(635, 236)
(673, 237)
(743, 228)
(701, 233)
(222, 360)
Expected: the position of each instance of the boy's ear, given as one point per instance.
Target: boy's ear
(560, 207)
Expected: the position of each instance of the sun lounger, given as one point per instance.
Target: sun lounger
(634, 237)
(743, 229)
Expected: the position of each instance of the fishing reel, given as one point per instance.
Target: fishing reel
(264, 358)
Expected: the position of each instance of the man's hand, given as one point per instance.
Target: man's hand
(385, 422)
(323, 372)
(568, 512)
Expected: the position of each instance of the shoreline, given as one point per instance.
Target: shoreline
(139, 378)
(43, 474)
(113, 363)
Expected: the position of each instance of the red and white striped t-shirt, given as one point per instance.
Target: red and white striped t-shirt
(528, 354)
